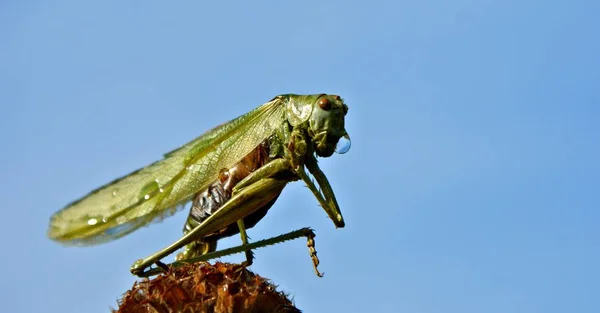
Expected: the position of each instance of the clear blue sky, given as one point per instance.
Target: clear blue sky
(473, 180)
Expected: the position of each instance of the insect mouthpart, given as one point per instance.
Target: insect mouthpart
(326, 143)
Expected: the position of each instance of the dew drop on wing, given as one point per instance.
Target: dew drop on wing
(93, 220)
(343, 145)
(148, 189)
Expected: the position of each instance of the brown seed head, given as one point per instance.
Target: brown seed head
(201, 288)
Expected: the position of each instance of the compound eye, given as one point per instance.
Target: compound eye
(325, 104)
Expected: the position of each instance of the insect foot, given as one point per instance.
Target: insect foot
(136, 268)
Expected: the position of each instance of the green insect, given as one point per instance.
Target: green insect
(232, 174)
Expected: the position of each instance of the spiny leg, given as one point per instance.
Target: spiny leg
(249, 195)
(310, 243)
(248, 252)
(252, 198)
(303, 232)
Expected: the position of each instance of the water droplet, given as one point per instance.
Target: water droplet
(343, 144)
(115, 192)
(148, 190)
(92, 221)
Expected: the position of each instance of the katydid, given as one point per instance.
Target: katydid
(232, 174)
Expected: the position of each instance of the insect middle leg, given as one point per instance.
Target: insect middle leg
(249, 254)
(275, 167)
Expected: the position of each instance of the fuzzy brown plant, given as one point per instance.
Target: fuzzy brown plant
(204, 288)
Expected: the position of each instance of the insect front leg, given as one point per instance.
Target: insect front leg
(256, 190)
(323, 193)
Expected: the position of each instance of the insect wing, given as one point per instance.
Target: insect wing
(157, 190)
